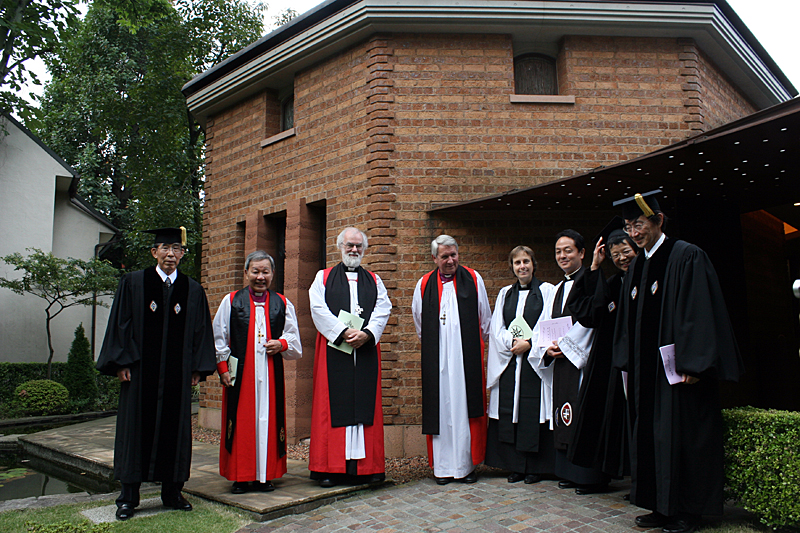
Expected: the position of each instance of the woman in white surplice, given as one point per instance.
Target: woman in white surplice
(519, 437)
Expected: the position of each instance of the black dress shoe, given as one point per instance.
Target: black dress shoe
(125, 511)
(327, 483)
(682, 524)
(516, 477)
(654, 519)
(377, 478)
(267, 486)
(567, 484)
(180, 503)
(627, 497)
(585, 490)
(443, 480)
(240, 487)
(530, 479)
(472, 477)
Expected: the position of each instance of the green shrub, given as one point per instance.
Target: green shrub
(80, 376)
(108, 398)
(14, 374)
(42, 397)
(762, 463)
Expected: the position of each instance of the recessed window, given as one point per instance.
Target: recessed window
(535, 74)
(287, 113)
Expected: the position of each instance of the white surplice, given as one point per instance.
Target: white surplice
(294, 350)
(499, 355)
(575, 345)
(331, 327)
(452, 456)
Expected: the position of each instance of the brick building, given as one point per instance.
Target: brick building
(385, 115)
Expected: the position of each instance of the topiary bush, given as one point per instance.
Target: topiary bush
(80, 376)
(41, 397)
(762, 463)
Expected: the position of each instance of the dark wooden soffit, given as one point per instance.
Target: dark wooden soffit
(753, 162)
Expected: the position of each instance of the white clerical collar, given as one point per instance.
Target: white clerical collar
(658, 243)
(172, 277)
(568, 277)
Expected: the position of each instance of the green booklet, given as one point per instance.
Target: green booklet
(351, 321)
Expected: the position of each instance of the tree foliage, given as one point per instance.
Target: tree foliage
(114, 110)
(61, 283)
(80, 377)
(28, 29)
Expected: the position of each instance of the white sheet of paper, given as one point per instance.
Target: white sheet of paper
(351, 321)
(668, 356)
(233, 366)
(520, 329)
(553, 329)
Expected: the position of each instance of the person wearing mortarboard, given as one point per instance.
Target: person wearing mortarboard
(599, 438)
(671, 299)
(159, 343)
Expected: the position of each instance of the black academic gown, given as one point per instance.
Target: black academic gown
(600, 435)
(676, 444)
(163, 339)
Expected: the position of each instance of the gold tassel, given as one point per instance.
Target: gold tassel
(183, 236)
(643, 205)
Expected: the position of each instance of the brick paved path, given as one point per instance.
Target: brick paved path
(492, 504)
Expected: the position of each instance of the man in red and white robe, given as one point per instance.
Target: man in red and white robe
(347, 412)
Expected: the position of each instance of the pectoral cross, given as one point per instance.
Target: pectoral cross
(358, 310)
(443, 318)
(260, 336)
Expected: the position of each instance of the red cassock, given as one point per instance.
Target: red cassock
(240, 464)
(328, 452)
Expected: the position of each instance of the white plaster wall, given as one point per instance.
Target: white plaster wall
(27, 216)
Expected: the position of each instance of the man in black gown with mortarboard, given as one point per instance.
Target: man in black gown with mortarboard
(159, 343)
(671, 298)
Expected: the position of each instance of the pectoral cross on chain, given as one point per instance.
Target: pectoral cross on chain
(358, 310)
(443, 318)
(261, 336)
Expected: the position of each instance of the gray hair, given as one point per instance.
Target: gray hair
(255, 257)
(442, 240)
(340, 238)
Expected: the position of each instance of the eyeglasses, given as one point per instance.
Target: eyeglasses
(638, 225)
(176, 248)
(357, 246)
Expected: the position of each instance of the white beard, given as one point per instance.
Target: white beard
(350, 261)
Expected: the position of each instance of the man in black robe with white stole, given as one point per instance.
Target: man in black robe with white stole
(569, 356)
(159, 343)
(671, 298)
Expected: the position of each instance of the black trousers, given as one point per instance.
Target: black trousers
(129, 494)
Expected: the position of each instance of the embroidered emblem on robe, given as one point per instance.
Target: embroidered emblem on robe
(611, 307)
(633, 293)
(654, 288)
(283, 434)
(153, 306)
(177, 308)
(566, 414)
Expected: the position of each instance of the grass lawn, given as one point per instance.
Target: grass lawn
(206, 516)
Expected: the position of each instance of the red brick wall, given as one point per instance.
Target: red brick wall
(400, 122)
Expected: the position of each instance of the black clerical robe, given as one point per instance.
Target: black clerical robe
(163, 335)
(599, 436)
(676, 442)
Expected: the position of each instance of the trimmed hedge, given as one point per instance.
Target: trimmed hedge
(41, 397)
(762, 463)
(14, 374)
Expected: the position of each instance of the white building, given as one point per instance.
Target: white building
(39, 208)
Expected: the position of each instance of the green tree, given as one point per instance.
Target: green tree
(80, 376)
(114, 111)
(28, 29)
(284, 17)
(61, 283)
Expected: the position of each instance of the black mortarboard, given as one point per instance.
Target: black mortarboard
(616, 223)
(639, 204)
(169, 235)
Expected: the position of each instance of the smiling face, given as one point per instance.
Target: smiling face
(568, 257)
(622, 254)
(446, 259)
(168, 256)
(648, 233)
(352, 249)
(259, 275)
(523, 267)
